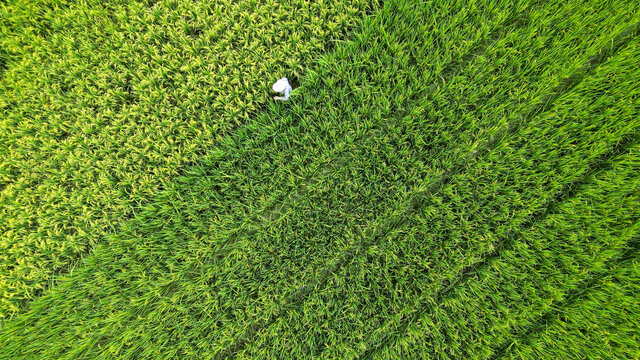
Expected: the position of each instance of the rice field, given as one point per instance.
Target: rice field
(449, 180)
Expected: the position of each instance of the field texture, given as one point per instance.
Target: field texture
(102, 103)
(451, 180)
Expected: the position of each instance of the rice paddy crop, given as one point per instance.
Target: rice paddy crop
(450, 180)
(102, 103)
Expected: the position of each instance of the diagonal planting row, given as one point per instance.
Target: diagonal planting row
(369, 299)
(609, 94)
(542, 266)
(192, 219)
(598, 322)
(138, 293)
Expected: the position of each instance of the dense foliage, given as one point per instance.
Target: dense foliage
(102, 103)
(455, 180)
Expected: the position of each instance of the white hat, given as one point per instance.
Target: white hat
(280, 85)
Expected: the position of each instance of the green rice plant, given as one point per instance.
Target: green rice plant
(102, 103)
(370, 298)
(413, 199)
(215, 261)
(543, 267)
(599, 322)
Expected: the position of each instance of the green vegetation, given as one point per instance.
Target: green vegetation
(534, 275)
(593, 323)
(454, 180)
(102, 103)
(500, 190)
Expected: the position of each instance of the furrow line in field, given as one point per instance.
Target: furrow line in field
(565, 86)
(572, 298)
(569, 190)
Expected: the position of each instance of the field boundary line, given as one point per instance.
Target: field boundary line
(584, 287)
(303, 291)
